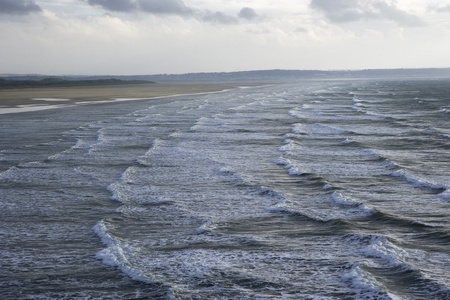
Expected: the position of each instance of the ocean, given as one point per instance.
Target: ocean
(317, 189)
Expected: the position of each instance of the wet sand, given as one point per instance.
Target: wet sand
(72, 95)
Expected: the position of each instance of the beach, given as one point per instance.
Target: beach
(10, 98)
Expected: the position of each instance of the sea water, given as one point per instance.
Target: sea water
(307, 190)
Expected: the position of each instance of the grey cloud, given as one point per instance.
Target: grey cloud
(176, 7)
(248, 13)
(115, 5)
(173, 7)
(18, 7)
(245, 13)
(341, 11)
(218, 17)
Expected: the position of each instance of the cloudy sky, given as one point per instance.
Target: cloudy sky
(181, 36)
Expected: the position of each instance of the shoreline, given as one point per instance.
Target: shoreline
(63, 96)
(43, 98)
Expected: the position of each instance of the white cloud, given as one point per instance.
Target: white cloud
(443, 8)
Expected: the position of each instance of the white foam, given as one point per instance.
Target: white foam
(206, 227)
(343, 200)
(317, 128)
(323, 213)
(51, 99)
(116, 253)
(381, 248)
(445, 194)
(355, 208)
(327, 187)
(28, 108)
(157, 143)
(370, 114)
(200, 122)
(288, 147)
(292, 169)
(365, 285)
(296, 113)
(128, 99)
(417, 181)
(271, 193)
(356, 100)
(347, 141)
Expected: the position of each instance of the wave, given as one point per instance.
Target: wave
(355, 99)
(329, 213)
(117, 252)
(298, 113)
(270, 193)
(423, 183)
(232, 176)
(445, 194)
(317, 128)
(383, 217)
(349, 142)
(207, 227)
(126, 193)
(344, 200)
(368, 113)
(10, 174)
(381, 248)
(398, 264)
(379, 253)
(157, 143)
(365, 284)
(292, 169)
(357, 209)
(288, 147)
(285, 208)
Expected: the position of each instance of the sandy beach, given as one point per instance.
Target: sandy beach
(73, 95)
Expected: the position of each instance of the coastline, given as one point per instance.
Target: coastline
(33, 99)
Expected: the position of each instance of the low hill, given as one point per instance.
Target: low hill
(62, 82)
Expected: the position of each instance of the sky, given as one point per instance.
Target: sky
(126, 37)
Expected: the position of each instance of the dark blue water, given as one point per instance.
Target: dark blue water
(309, 190)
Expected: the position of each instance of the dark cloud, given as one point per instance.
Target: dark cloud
(248, 13)
(18, 7)
(115, 5)
(175, 7)
(341, 11)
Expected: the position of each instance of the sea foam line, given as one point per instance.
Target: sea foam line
(292, 169)
(115, 254)
(365, 285)
(418, 182)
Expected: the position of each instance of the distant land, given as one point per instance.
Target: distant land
(278, 75)
(34, 81)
